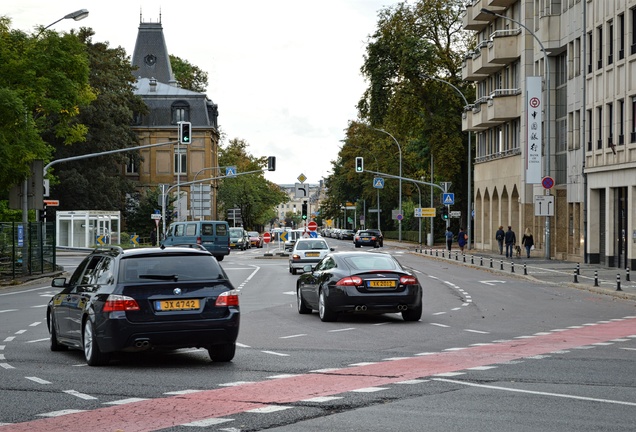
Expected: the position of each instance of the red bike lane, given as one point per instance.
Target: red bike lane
(155, 414)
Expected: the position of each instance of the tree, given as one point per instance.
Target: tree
(255, 196)
(189, 76)
(108, 120)
(43, 86)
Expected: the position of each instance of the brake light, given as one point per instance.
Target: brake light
(408, 280)
(295, 257)
(350, 281)
(228, 298)
(199, 240)
(119, 303)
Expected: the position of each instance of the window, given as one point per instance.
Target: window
(610, 42)
(180, 161)
(590, 137)
(632, 138)
(633, 31)
(621, 121)
(599, 128)
(621, 37)
(589, 52)
(599, 33)
(610, 124)
(132, 167)
(180, 112)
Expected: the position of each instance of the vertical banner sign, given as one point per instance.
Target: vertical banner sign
(534, 131)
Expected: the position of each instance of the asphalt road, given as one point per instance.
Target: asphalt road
(494, 351)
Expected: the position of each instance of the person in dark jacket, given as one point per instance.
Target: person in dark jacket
(511, 240)
(462, 239)
(499, 236)
(528, 241)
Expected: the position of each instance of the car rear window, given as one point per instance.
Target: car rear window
(372, 262)
(187, 267)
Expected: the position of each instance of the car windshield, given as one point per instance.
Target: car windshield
(311, 245)
(366, 234)
(253, 234)
(182, 267)
(372, 262)
(234, 232)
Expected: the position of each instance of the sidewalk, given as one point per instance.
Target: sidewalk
(591, 277)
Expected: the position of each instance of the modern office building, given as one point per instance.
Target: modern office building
(576, 123)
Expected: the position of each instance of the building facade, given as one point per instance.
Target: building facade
(587, 127)
(173, 164)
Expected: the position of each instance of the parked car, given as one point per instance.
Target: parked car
(256, 240)
(239, 238)
(307, 251)
(359, 282)
(378, 233)
(346, 234)
(292, 236)
(366, 238)
(213, 235)
(142, 299)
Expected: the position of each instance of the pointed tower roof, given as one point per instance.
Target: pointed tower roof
(151, 53)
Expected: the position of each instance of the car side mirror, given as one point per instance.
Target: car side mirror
(59, 282)
(332, 249)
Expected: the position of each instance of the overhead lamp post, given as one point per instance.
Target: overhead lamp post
(77, 16)
(400, 193)
(470, 165)
(547, 114)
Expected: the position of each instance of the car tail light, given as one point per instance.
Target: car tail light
(228, 298)
(119, 303)
(295, 257)
(350, 281)
(408, 280)
(199, 240)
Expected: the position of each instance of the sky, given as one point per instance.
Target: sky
(285, 74)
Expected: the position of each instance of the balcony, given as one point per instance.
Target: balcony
(500, 3)
(467, 70)
(549, 32)
(480, 60)
(504, 46)
(480, 119)
(504, 105)
(467, 120)
(468, 20)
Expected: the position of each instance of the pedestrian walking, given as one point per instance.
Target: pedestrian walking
(462, 239)
(499, 236)
(528, 241)
(449, 238)
(511, 240)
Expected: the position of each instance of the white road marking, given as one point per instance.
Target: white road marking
(369, 389)
(38, 380)
(208, 422)
(320, 399)
(80, 395)
(269, 409)
(60, 413)
(125, 401)
(537, 392)
(293, 336)
(275, 353)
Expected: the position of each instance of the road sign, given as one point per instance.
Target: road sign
(456, 214)
(547, 182)
(230, 171)
(399, 217)
(155, 216)
(427, 212)
(301, 178)
(448, 198)
(283, 236)
(312, 226)
(52, 203)
(301, 191)
(134, 239)
(378, 183)
(267, 237)
(544, 205)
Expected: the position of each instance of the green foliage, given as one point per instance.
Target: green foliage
(43, 85)
(189, 76)
(251, 193)
(140, 206)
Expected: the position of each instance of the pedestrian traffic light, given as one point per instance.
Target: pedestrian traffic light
(445, 213)
(271, 163)
(359, 164)
(304, 213)
(185, 132)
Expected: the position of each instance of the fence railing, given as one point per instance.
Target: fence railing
(26, 249)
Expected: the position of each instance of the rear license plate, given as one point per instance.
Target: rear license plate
(381, 284)
(365, 238)
(176, 305)
(312, 254)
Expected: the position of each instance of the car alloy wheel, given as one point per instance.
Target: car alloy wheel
(302, 307)
(324, 311)
(55, 345)
(92, 353)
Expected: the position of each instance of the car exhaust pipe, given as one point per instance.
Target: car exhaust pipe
(361, 308)
(142, 343)
(402, 307)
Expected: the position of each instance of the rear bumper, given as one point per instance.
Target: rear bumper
(123, 335)
(349, 299)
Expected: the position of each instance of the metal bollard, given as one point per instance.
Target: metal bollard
(578, 268)
(512, 267)
(481, 261)
(618, 282)
(627, 274)
(490, 262)
(464, 257)
(501, 265)
(525, 269)
(436, 252)
(576, 276)
(472, 261)
(456, 256)
(595, 278)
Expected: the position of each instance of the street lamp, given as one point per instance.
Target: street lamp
(77, 16)
(547, 114)
(470, 165)
(400, 194)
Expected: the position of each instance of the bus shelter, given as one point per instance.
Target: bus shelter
(87, 228)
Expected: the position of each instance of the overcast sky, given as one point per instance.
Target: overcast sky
(284, 73)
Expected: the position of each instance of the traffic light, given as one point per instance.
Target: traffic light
(304, 213)
(359, 164)
(185, 132)
(445, 213)
(271, 163)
